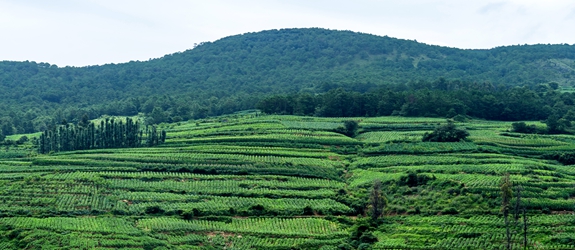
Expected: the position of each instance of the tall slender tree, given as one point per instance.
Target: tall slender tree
(377, 201)
(109, 134)
(517, 208)
(506, 194)
(524, 227)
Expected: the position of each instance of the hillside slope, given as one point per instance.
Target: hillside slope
(291, 182)
(234, 72)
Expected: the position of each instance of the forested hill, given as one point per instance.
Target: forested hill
(234, 73)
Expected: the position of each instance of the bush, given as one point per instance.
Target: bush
(521, 127)
(258, 209)
(413, 180)
(446, 133)
(188, 215)
(307, 210)
(367, 237)
(364, 246)
(450, 210)
(349, 128)
(22, 140)
(459, 118)
(566, 158)
(154, 210)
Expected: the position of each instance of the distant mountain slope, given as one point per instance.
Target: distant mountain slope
(232, 73)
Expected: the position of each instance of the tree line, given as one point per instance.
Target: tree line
(108, 134)
(233, 74)
(441, 98)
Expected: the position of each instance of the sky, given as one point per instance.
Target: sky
(96, 32)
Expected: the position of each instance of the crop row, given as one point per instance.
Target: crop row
(248, 206)
(258, 226)
(421, 148)
(388, 136)
(281, 138)
(235, 188)
(186, 158)
(86, 224)
(287, 169)
(497, 169)
(442, 159)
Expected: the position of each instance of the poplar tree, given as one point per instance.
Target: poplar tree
(377, 201)
(506, 195)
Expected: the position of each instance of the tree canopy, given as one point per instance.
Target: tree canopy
(446, 133)
(236, 72)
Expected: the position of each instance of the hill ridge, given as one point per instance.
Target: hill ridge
(235, 72)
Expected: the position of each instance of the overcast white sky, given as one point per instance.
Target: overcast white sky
(93, 32)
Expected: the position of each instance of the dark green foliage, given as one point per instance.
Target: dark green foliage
(23, 139)
(450, 210)
(109, 134)
(446, 133)
(377, 201)
(506, 195)
(258, 209)
(556, 125)
(233, 74)
(566, 158)
(367, 237)
(465, 99)
(349, 128)
(307, 210)
(521, 127)
(154, 210)
(553, 85)
(188, 215)
(459, 118)
(563, 239)
(413, 179)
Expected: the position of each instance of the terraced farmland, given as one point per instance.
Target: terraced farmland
(289, 182)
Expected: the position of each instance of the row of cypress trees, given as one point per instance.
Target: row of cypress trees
(108, 134)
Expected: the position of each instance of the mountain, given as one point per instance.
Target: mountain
(234, 73)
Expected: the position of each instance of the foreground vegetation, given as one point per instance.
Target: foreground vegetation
(248, 181)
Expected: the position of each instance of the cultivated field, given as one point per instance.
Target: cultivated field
(289, 182)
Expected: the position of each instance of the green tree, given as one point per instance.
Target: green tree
(377, 201)
(349, 128)
(158, 115)
(553, 85)
(556, 125)
(446, 133)
(521, 127)
(506, 195)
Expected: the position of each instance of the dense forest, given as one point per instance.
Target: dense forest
(441, 98)
(237, 72)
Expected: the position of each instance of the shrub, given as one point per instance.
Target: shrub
(413, 180)
(450, 210)
(521, 127)
(446, 133)
(349, 128)
(154, 210)
(307, 210)
(22, 140)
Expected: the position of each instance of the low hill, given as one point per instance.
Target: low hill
(233, 73)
